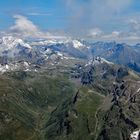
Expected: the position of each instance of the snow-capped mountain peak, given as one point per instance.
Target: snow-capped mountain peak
(98, 60)
(11, 42)
(77, 44)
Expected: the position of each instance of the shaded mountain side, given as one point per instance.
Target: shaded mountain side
(123, 54)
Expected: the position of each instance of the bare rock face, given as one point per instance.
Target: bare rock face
(122, 119)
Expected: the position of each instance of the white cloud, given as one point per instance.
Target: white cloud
(115, 35)
(39, 14)
(119, 36)
(93, 13)
(22, 24)
(110, 16)
(96, 32)
(134, 25)
(26, 28)
(23, 27)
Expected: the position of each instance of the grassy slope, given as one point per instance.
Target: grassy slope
(36, 106)
(26, 104)
(82, 116)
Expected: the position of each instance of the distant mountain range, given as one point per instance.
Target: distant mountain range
(122, 54)
(41, 52)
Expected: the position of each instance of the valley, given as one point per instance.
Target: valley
(49, 93)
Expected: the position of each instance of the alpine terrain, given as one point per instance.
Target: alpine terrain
(68, 89)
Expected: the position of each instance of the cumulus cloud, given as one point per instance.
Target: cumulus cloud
(134, 25)
(104, 20)
(94, 8)
(22, 24)
(114, 35)
(99, 34)
(26, 28)
(96, 32)
(119, 36)
(23, 27)
(91, 13)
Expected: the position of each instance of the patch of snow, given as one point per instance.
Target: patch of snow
(27, 70)
(59, 54)
(26, 64)
(67, 58)
(138, 90)
(77, 44)
(135, 135)
(104, 60)
(11, 42)
(48, 50)
(6, 66)
(97, 60)
(14, 66)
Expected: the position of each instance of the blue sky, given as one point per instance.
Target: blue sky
(76, 17)
(48, 14)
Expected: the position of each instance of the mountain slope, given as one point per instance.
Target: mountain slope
(47, 104)
(122, 54)
(57, 95)
(122, 117)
